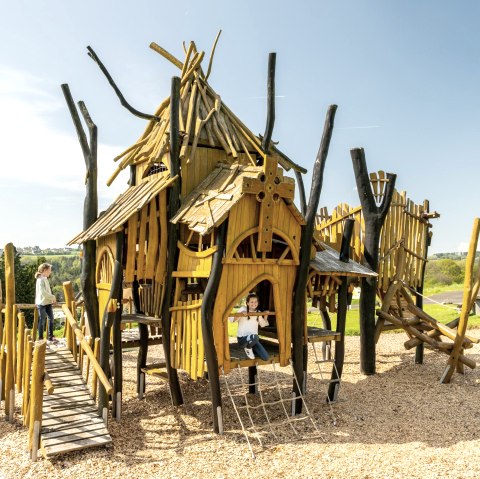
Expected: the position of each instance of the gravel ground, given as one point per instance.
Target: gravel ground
(400, 423)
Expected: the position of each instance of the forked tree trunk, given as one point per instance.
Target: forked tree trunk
(374, 217)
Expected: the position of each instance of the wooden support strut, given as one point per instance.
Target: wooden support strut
(90, 208)
(173, 205)
(207, 326)
(299, 304)
(374, 217)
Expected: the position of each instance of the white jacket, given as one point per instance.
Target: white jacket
(43, 293)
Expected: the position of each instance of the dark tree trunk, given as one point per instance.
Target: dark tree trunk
(108, 321)
(301, 189)
(337, 370)
(299, 301)
(419, 350)
(173, 205)
(90, 210)
(374, 217)
(267, 137)
(117, 332)
(143, 347)
(207, 327)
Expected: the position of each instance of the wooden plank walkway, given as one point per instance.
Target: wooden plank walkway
(70, 419)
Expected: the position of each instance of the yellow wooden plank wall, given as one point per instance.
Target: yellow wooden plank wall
(404, 225)
(187, 349)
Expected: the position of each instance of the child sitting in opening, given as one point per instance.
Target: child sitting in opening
(247, 335)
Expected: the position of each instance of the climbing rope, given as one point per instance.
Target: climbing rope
(272, 399)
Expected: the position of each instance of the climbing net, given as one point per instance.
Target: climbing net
(267, 417)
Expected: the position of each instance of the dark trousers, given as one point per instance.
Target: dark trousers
(43, 312)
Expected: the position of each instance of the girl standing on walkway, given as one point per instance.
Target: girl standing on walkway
(44, 299)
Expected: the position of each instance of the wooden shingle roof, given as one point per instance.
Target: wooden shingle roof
(128, 203)
(207, 206)
(326, 262)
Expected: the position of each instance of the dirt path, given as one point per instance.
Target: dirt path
(400, 423)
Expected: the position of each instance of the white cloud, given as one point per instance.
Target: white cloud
(463, 247)
(34, 152)
(37, 157)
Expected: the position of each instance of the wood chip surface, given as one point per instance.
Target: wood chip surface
(399, 423)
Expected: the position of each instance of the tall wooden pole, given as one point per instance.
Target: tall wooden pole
(90, 209)
(207, 327)
(9, 253)
(299, 301)
(337, 369)
(374, 217)
(173, 205)
(272, 59)
(111, 313)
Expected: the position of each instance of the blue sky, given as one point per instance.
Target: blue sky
(404, 74)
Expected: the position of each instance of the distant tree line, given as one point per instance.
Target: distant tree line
(444, 272)
(64, 268)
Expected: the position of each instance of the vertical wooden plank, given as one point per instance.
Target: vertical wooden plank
(141, 243)
(152, 250)
(201, 348)
(131, 248)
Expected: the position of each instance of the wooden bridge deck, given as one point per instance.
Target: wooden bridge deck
(70, 419)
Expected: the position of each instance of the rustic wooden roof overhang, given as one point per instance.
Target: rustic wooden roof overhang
(207, 206)
(128, 203)
(326, 262)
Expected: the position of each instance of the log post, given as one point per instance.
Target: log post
(117, 331)
(173, 205)
(108, 321)
(90, 209)
(36, 397)
(374, 217)
(299, 301)
(419, 350)
(143, 347)
(337, 370)
(207, 326)
(267, 137)
(9, 253)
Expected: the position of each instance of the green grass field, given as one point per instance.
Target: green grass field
(442, 313)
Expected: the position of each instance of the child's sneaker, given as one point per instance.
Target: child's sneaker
(249, 353)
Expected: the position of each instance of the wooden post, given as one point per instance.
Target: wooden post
(337, 370)
(173, 205)
(90, 208)
(9, 253)
(419, 350)
(207, 326)
(272, 58)
(374, 217)
(143, 339)
(299, 301)
(27, 368)
(20, 350)
(117, 332)
(36, 395)
(468, 289)
(96, 352)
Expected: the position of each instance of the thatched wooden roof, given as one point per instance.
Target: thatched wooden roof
(207, 206)
(128, 203)
(326, 262)
(204, 120)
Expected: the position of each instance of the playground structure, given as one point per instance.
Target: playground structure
(402, 251)
(207, 218)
